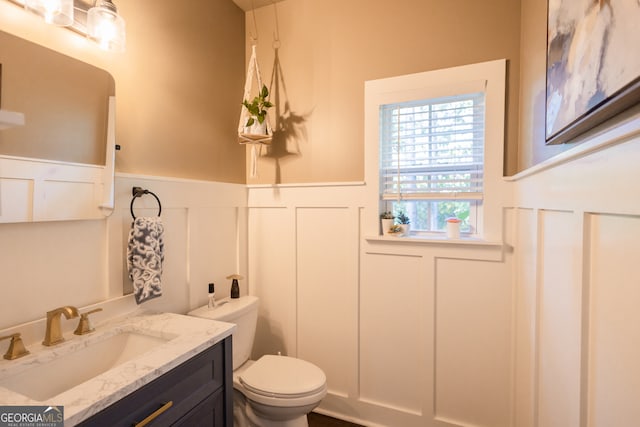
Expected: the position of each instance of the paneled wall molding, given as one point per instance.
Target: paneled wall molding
(205, 236)
(395, 350)
(202, 244)
(575, 232)
(554, 302)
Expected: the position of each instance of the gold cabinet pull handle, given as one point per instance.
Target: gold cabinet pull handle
(155, 414)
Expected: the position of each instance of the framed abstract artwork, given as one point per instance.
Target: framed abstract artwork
(593, 64)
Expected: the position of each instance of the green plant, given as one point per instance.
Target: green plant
(402, 218)
(386, 215)
(258, 107)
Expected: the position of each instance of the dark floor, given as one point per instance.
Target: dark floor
(317, 420)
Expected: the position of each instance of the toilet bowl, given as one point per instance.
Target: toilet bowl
(273, 391)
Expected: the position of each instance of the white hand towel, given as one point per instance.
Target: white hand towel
(145, 255)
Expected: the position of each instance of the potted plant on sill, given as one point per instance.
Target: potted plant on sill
(396, 230)
(256, 124)
(404, 222)
(386, 219)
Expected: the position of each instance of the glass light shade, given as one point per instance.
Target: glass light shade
(106, 27)
(57, 12)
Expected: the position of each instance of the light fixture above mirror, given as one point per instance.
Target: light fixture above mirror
(106, 27)
(56, 12)
(97, 19)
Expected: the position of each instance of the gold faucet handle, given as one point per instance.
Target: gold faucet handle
(84, 325)
(16, 347)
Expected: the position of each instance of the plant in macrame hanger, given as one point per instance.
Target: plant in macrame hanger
(254, 126)
(256, 123)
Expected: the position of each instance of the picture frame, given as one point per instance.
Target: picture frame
(593, 71)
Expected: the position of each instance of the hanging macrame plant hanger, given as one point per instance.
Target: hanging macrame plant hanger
(244, 135)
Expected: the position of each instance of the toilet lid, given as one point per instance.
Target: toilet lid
(283, 376)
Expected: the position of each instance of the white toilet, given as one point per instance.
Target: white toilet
(273, 391)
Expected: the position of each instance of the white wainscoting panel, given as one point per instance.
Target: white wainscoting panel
(200, 223)
(212, 250)
(614, 339)
(577, 319)
(364, 310)
(525, 303)
(581, 231)
(560, 321)
(327, 295)
(393, 325)
(272, 278)
(472, 343)
(46, 265)
(83, 263)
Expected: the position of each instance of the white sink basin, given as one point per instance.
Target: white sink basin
(43, 381)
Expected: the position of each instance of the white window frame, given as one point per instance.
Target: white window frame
(435, 84)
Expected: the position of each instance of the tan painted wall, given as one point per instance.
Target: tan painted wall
(178, 86)
(329, 48)
(177, 58)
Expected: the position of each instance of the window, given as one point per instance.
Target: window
(434, 145)
(432, 159)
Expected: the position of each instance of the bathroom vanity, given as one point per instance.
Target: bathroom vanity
(191, 394)
(169, 368)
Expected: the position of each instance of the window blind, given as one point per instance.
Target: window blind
(433, 148)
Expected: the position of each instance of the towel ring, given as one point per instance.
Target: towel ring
(139, 192)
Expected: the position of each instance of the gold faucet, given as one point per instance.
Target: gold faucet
(84, 325)
(53, 333)
(16, 347)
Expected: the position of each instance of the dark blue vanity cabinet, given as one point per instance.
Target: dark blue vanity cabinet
(198, 392)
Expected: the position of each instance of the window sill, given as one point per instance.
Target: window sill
(434, 240)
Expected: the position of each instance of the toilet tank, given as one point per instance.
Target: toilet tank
(243, 312)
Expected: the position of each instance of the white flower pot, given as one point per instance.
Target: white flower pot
(256, 128)
(386, 225)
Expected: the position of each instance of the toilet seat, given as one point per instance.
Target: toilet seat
(283, 381)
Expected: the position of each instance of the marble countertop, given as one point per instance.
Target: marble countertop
(186, 336)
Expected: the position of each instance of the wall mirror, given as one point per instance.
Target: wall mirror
(59, 164)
